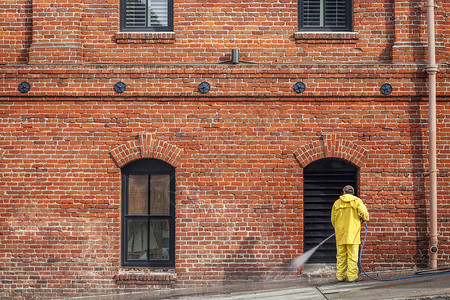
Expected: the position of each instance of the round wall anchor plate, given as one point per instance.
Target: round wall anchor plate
(204, 87)
(24, 86)
(299, 87)
(386, 89)
(120, 87)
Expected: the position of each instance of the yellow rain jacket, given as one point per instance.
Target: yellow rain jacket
(345, 217)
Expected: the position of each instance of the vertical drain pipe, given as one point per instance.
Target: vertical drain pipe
(432, 70)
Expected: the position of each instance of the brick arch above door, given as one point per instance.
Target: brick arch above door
(331, 145)
(146, 146)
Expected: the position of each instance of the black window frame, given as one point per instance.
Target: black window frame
(168, 28)
(348, 19)
(150, 167)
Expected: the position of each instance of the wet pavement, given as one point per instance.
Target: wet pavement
(430, 287)
(434, 287)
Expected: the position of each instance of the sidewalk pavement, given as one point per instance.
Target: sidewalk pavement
(434, 287)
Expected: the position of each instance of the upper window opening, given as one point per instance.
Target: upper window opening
(146, 15)
(325, 15)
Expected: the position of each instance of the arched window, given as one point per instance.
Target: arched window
(148, 213)
(323, 181)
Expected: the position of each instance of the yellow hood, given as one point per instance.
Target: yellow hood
(345, 217)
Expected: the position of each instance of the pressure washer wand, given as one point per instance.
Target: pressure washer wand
(325, 240)
(302, 259)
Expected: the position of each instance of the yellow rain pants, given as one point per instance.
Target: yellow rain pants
(346, 214)
(347, 262)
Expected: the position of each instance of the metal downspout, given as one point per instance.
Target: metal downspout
(432, 69)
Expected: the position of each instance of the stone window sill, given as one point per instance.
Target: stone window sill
(145, 37)
(145, 277)
(326, 37)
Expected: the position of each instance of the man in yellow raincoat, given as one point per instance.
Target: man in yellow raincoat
(346, 216)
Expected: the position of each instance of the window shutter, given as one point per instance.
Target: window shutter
(323, 181)
(135, 13)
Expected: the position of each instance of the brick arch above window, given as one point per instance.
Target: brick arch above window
(331, 145)
(146, 146)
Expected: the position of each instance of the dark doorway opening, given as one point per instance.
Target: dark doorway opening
(323, 181)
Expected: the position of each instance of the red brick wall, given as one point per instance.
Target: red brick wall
(205, 33)
(239, 150)
(239, 186)
(16, 32)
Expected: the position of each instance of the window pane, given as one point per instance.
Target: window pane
(138, 194)
(335, 13)
(137, 239)
(158, 13)
(135, 13)
(160, 194)
(159, 239)
(312, 13)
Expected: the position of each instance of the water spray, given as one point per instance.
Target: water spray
(302, 259)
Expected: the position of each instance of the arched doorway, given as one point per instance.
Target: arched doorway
(323, 181)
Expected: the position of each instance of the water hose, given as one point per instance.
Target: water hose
(392, 279)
